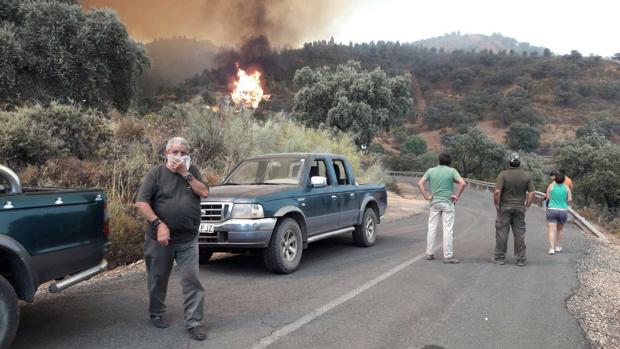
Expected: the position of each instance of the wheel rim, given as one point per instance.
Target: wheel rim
(370, 228)
(289, 245)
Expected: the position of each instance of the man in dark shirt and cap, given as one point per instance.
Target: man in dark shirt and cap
(169, 198)
(514, 193)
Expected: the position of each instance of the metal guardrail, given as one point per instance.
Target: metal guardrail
(539, 199)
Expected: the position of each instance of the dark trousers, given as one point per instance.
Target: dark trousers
(507, 217)
(159, 260)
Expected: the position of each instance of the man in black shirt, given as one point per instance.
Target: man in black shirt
(514, 193)
(169, 198)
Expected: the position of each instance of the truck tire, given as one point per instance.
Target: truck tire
(204, 254)
(284, 251)
(9, 313)
(365, 234)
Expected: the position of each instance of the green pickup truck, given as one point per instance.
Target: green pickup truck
(46, 234)
(277, 204)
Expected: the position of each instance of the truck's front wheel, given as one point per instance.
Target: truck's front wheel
(284, 251)
(9, 313)
(365, 234)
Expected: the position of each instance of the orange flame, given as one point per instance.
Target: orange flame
(248, 91)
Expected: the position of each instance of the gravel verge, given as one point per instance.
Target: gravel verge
(596, 302)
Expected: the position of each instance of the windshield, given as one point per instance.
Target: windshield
(267, 171)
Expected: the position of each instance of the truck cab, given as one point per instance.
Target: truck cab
(277, 204)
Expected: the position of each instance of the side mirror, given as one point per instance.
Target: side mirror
(318, 182)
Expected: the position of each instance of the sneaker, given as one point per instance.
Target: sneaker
(499, 261)
(551, 251)
(520, 263)
(198, 333)
(159, 321)
(558, 248)
(430, 257)
(451, 261)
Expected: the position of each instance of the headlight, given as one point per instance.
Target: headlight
(247, 211)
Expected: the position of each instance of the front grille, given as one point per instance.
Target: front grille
(218, 236)
(214, 211)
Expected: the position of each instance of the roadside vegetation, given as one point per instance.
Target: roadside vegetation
(70, 146)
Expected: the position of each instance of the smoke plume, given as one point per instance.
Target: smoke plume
(228, 22)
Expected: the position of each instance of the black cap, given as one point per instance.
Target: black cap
(552, 173)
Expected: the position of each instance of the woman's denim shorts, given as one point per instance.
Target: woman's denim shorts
(557, 216)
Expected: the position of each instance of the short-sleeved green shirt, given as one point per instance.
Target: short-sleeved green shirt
(441, 180)
(513, 185)
(172, 200)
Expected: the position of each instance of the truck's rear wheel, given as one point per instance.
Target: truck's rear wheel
(9, 313)
(204, 254)
(284, 251)
(365, 234)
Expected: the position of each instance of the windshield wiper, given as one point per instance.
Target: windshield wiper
(230, 183)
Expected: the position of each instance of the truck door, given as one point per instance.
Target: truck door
(345, 189)
(320, 204)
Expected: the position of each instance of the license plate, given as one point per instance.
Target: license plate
(206, 228)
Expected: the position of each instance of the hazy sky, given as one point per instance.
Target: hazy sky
(587, 26)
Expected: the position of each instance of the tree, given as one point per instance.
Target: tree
(577, 158)
(522, 137)
(57, 52)
(602, 123)
(616, 56)
(414, 144)
(351, 99)
(516, 107)
(475, 155)
(565, 93)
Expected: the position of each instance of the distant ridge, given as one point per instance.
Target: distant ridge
(479, 42)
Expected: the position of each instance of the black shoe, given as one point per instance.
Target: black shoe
(198, 333)
(451, 261)
(159, 322)
(429, 257)
(499, 261)
(520, 263)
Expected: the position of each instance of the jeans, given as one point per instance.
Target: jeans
(447, 212)
(159, 260)
(510, 217)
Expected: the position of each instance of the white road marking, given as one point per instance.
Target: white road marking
(274, 336)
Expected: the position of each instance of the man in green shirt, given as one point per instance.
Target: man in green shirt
(441, 179)
(514, 192)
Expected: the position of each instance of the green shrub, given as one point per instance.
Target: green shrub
(126, 234)
(425, 161)
(376, 148)
(85, 133)
(414, 144)
(523, 137)
(68, 172)
(24, 140)
(400, 136)
(32, 135)
(400, 162)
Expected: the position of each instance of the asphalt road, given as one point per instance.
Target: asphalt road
(343, 296)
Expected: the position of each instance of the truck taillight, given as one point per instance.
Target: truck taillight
(106, 221)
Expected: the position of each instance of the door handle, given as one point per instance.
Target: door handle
(334, 197)
(352, 195)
